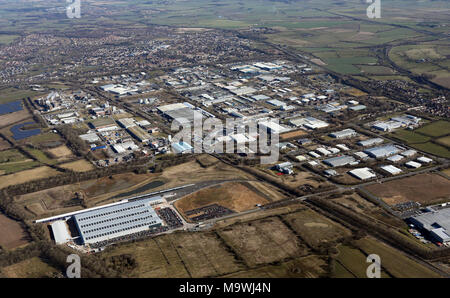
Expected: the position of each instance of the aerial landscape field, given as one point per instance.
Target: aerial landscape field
(225, 139)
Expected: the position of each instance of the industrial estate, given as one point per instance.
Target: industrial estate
(92, 163)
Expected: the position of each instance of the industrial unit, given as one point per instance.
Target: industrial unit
(382, 151)
(363, 173)
(339, 161)
(436, 223)
(118, 220)
(343, 134)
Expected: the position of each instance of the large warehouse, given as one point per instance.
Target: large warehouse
(383, 151)
(117, 220)
(437, 223)
(339, 161)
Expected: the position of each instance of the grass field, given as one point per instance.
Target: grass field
(423, 58)
(433, 148)
(44, 139)
(13, 94)
(14, 167)
(436, 129)
(395, 262)
(351, 262)
(12, 155)
(81, 165)
(423, 188)
(26, 176)
(40, 156)
(30, 268)
(410, 137)
(12, 235)
(315, 229)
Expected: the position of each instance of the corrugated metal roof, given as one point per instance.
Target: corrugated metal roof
(118, 220)
(60, 232)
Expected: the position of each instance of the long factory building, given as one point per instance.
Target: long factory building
(118, 220)
(109, 221)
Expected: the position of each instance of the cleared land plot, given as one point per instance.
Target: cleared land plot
(31, 268)
(81, 165)
(293, 134)
(360, 205)
(307, 267)
(12, 234)
(298, 179)
(314, 228)
(11, 118)
(394, 261)
(61, 152)
(268, 190)
(26, 176)
(205, 255)
(436, 129)
(423, 188)
(179, 255)
(262, 241)
(444, 141)
(192, 172)
(107, 185)
(235, 196)
(48, 201)
(155, 257)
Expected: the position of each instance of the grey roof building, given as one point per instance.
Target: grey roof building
(118, 220)
(370, 142)
(346, 133)
(382, 151)
(339, 161)
(437, 223)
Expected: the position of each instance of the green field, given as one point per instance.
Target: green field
(433, 148)
(12, 161)
(7, 39)
(410, 137)
(44, 138)
(40, 156)
(12, 155)
(8, 168)
(352, 262)
(395, 262)
(13, 94)
(436, 129)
